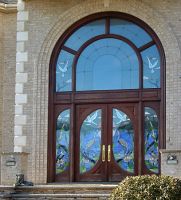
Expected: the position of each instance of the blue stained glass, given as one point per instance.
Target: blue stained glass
(64, 72)
(131, 31)
(151, 140)
(107, 64)
(62, 141)
(151, 67)
(123, 141)
(84, 33)
(90, 141)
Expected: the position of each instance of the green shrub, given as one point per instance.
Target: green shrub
(148, 188)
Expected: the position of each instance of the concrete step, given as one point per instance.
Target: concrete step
(83, 191)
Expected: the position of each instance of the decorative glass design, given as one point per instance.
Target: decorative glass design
(151, 140)
(123, 140)
(90, 141)
(129, 30)
(107, 64)
(62, 141)
(151, 67)
(64, 72)
(84, 33)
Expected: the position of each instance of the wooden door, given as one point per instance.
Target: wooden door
(90, 160)
(105, 146)
(123, 141)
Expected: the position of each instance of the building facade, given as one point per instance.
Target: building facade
(35, 35)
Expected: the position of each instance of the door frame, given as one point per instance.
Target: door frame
(73, 98)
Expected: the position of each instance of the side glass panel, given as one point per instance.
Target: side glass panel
(123, 140)
(90, 141)
(130, 31)
(151, 67)
(151, 139)
(62, 141)
(107, 64)
(64, 72)
(90, 30)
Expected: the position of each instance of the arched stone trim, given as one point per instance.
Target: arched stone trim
(41, 84)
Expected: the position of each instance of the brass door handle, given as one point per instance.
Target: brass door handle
(109, 153)
(103, 153)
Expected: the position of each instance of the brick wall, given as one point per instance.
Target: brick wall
(1, 77)
(9, 63)
(7, 79)
(48, 20)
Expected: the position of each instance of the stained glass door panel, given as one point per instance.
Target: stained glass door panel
(90, 165)
(90, 141)
(62, 141)
(123, 140)
(151, 133)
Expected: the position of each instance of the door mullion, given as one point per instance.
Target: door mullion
(109, 139)
(105, 139)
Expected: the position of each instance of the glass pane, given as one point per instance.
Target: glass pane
(90, 141)
(62, 141)
(151, 140)
(107, 64)
(151, 67)
(90, 30)
(64, 72)
(123, 141)
(129, 30)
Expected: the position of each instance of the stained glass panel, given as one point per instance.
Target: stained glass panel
(62, 141)
(151, 140)
(151, 67)
(131, 31)
(64, 72)
(90, 30)
(107, 64)
(90, 141)
(123, 140)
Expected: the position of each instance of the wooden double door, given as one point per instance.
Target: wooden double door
(106, 142)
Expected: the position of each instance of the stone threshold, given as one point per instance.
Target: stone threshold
(100, 185)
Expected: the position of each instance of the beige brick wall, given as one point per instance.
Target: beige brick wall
(48, 19)
(1, 77)
(9, 49)
(1, 72)
(7, 77)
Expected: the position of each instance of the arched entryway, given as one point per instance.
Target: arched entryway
(106, 99)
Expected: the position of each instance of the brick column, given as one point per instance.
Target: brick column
(21, 78)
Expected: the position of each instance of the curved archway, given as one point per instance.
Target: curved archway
(149, 92)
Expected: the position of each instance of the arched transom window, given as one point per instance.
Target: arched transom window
(106, 100)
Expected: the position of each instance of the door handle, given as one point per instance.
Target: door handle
(109, 153)
(103, 153)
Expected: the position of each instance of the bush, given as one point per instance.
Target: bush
(148, 188)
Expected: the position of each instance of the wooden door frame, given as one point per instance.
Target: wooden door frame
(73, 98)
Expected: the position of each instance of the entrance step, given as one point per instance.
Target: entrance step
(61, 191)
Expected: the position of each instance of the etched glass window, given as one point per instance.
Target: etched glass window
(151, 67)
(62, 141)
(84, 33)
(130, 30)
(151, 132)
(107, 64)
(123, 140)
(64, 72)
(90, 141)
